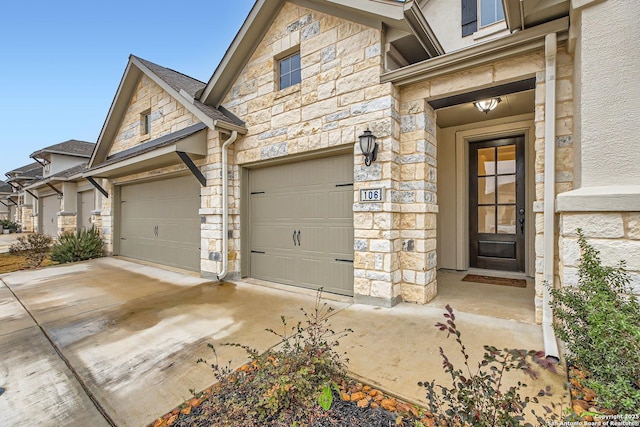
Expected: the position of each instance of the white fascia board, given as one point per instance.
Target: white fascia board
(195, 144)
(116, 111)
(480, 54)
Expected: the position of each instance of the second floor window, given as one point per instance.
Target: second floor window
(490, 12)
(290, 71)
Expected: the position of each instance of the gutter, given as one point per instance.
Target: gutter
(548, 334)
(225, 207)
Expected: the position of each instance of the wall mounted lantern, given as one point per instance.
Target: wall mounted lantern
(369, 147)
(486, 105)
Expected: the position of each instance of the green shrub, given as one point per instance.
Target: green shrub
(9, 225)
(599, 320)
(35, 248)
(476, 397)
(78, 246)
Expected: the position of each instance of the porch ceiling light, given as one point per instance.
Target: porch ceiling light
(369, 147)
(486, 105)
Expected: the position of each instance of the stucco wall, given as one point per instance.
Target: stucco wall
(609, 72)
(60, 162)
(167, 116)
(445, 19)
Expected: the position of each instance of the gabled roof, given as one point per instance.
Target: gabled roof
(31, 170)
(180, 86)
(72, 148)
(402, 16)
(69, 174)
(5, 188)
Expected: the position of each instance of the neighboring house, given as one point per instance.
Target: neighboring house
(5, 193)
(452, 187)
(64, 200)
(21, 201)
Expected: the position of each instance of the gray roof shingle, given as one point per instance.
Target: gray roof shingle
(178, 81)
(5, 188)
(72, 147)
(163, 141)
(31, 170)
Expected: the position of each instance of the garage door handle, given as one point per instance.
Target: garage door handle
(294, 238)
(299, 244)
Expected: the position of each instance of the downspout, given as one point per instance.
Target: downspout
(548, 334)
(225, 207)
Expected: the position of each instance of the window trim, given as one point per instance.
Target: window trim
(280, 60)
(145, 122)
(481, 24)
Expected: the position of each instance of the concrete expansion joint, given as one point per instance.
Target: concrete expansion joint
(77, 376)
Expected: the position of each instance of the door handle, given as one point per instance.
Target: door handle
(294, 238)
(299, 243)
(522, 225)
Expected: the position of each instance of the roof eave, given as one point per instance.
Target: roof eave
(515, 44)
(254, 27)
(422, 30)
(117, 109)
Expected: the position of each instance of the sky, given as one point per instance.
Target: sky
(61, 61)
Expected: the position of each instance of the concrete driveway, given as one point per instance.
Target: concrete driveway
(6, 240)
(114, 342)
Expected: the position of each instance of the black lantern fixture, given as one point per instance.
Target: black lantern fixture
(369, 147)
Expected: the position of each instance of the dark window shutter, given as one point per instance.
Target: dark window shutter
(469, 17)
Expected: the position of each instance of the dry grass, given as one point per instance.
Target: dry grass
(14, 262)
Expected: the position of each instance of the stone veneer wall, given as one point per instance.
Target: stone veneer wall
(27, 219)
(615, 234)
(418, 189)
(418, 124)
(564, 160)
(167, 116)
(338, 98)
(67, 222)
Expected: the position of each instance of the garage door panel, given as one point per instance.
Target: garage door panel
(86, 202)
(50, 209)
(275, 268)
(316, 198)
(159, 222)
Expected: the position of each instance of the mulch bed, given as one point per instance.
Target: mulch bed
(356, 405)
(583, 400)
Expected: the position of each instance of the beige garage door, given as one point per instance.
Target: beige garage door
(86, 203)
(49, 209)
(159, 222)
(302, 224)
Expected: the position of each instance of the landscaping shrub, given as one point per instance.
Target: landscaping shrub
(297, 374)
(34, 247)
(599, 320)
(477, 398)
(78, 246)
(6, 224)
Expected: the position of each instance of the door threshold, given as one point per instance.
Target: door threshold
(498, 273)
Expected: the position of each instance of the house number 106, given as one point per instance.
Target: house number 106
(371, 195)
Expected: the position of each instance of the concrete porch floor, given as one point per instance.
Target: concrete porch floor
(503, 302)
(126, 336)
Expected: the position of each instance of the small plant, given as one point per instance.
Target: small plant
(599, 320)
(5, 224)
(477, 398)
(35, 248)
(78, 246)
(296, 375)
